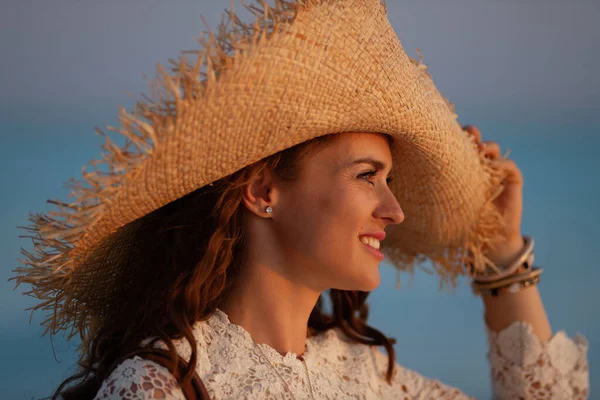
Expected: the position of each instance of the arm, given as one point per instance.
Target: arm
(140, 379)
(527, 360)
(525, 305)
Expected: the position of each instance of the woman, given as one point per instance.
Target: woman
(241, 197)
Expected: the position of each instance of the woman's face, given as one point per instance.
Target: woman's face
(329, 220)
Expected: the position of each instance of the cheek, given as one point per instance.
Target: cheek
(309, 216)
(319, 237)
(323, 222)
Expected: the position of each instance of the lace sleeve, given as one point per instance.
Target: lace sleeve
(521, 366)
(137, 378)
(524, 367)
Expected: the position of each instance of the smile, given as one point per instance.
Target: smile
(370, 241)
(372, 245)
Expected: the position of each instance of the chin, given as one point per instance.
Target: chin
(371, 280)
(364, 283)
(371, 285)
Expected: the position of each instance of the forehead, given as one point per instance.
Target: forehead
(359, 144)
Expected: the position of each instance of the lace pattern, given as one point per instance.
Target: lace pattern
(524, 367)
(137, 378)
(233, 368)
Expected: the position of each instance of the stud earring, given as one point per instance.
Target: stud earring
(269, 209)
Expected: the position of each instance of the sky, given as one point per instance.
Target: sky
(523, 71)
(530, 56)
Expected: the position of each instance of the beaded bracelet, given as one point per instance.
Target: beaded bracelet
(510, 284)
(524, 259)
(512, 278)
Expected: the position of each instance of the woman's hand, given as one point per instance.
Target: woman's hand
(525, 305)
(509, 202)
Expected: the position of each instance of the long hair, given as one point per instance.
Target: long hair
(191, 251)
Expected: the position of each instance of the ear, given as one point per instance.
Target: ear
(260, 193)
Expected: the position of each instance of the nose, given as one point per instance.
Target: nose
(389, 209)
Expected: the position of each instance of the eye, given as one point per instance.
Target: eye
(368, 176)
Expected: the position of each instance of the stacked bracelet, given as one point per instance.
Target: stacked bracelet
(511, 284)
(524, 259)
(516, 276)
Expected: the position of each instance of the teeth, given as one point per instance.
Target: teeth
(369, 241)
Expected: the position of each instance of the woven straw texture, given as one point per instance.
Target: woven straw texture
(301, 70)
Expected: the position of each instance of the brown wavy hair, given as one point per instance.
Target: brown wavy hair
(191, 252)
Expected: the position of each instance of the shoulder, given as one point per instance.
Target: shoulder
(371, 363)
(144, 379)
(412, 383)
(140, 379)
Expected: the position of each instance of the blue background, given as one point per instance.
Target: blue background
(523, 72)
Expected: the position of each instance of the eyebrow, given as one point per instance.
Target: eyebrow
(378, 165)
(368, 160)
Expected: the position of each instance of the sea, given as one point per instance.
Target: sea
(439, 334)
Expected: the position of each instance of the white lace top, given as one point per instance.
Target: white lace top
(231, 367)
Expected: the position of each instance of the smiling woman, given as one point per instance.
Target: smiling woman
(217, 253)
(275, 168)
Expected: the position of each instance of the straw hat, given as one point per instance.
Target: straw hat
(303, 69)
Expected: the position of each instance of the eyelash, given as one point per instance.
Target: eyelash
(370, 174)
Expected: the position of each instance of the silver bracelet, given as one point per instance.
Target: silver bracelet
(525, 259)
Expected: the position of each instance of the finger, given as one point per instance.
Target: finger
(513, 172)
(491, 149)
(473, 130)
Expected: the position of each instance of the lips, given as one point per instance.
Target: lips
(371, 241)
(379, 235)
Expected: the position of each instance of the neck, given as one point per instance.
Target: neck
(272, 308)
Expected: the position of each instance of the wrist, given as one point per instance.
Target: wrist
(504, 253)
(512, 275)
